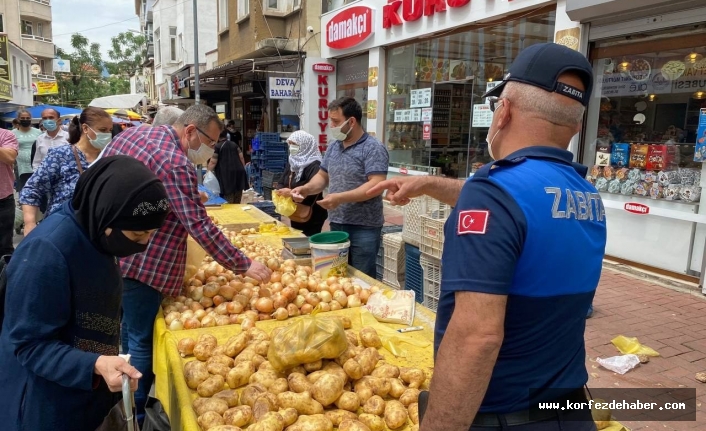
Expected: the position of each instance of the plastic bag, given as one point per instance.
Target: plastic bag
(619, 364)
(307, 339)
(630, 345)
(283, 205)
(392, 306)
(391, 339)
(211, 183)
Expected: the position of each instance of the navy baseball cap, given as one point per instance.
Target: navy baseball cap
(542, 64)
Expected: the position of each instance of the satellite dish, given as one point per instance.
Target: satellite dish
(36, 69)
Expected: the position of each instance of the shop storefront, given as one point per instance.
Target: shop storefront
(419, 73)
(645, 128)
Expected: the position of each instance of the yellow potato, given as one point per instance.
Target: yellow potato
(240, 374)
(195, 373)
(303, 402)
(414, 376)
(203, 351)
(210, 420)
(375, 405)
(207, 339)
(373, 422)
(395, 415)
(220, 359)
(251, 393)
(218, 369)
(203, 405)
(317, 422)
(289, 415)
(346, 321)
(230, 396)
(298, 369)
(414, 427)
(352, 338)
(218, 351)
(345, 356)
(262, 347)
(353, 369)
(334, 368)
(266, 366)
(363, 390)
(238, 416)
(348, 401)
(380, 386)
(211, 386)
(413, 411)
(316, 375)
(369, 337)
(256, 335)
(299, 383)
(270, 422)
(265, 378)
(280, 385)
(409, 396)
(337, 416)
(397, 388)
(353, 425)
(264, 404)
(327, 389)
(368, 359)
(236, 344)
(313, 366)
(225, 428)
(386, 370)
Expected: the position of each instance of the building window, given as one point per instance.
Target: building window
(22, 73)
(222, 15)
(40, 29)
(14, 69)
(296, 4)
(43, 65)
(181, 46)
(2, 24)
(243, 8)
(172, 44)
(149, 31)
(157, 47)
(27, 28)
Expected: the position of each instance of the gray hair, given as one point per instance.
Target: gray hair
(167, 116)
(528, 98)
(200, 116)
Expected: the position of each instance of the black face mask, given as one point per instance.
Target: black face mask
(117, 244)
(25, 123)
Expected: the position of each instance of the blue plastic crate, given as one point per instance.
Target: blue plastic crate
(413, 272)
(269, 155)
(272, 145)
(268, 136)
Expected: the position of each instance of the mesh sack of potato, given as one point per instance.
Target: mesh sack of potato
(308, 339)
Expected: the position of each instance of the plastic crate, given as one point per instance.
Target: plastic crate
(413, 272)
(423, 205)
(273, 145)
(270, 178)
(431, 270)
(262, 136)
(267, 193)
(394, 260)
(432, 236)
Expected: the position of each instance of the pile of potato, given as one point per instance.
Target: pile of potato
(238, 387)
(215, 297)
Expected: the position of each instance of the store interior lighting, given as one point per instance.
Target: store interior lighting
(624, 66)
(699, 95)
(651, 97)
(693, 57)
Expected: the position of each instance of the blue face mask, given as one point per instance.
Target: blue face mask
(50, 125)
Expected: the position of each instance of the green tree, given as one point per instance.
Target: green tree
(127, 53)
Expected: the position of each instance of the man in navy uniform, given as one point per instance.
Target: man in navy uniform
(522, 258)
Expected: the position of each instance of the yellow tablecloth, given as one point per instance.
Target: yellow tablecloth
(176, 397)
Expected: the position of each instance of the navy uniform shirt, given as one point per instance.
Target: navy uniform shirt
(534, 229)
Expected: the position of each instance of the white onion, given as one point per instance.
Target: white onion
(354, 301)
(176, 325)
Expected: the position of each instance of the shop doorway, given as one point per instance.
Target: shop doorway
(451, 128)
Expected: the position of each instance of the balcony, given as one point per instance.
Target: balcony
(38, 46)
(38, 9)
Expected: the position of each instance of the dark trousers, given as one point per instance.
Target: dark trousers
(7, 224)
(233, 198)
(21, 181)
(309, 228)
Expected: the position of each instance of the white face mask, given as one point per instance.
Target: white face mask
(102, 139)
(294, 150)
(200, 156)
(490, 145)
(337, 134)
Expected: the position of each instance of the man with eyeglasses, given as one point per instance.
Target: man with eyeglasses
(523, 252)
(171, 153)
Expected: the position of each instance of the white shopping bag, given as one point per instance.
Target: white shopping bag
(211, 183)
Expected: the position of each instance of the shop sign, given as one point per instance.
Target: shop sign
(426, 131)
(324, 68)
(284, 88)
(5, 78)
(427, 114)
(635, 208)
(412, 10)
(350, 27)
(420, 98)
(322, 84)
(43, 88)
(482, 115)
(180, 86)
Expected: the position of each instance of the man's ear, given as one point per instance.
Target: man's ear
(503, 114)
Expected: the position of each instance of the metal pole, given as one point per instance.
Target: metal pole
(197, 96)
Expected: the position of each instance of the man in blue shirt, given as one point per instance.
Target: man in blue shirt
(522, 258)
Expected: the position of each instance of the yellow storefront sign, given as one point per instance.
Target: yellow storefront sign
(5, 77)
(44, 88)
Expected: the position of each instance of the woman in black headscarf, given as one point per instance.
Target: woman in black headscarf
(228, 164)
(59, 368)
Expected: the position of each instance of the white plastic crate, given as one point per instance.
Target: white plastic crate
(394, 263)
(431, 280)
(432, 236)
(423, 205)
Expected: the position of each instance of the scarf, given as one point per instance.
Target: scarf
(119, 192)
(308, 152)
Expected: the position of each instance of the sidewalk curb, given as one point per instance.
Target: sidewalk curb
(661, 280)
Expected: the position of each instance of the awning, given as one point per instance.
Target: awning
(239, 67)
(118, 101)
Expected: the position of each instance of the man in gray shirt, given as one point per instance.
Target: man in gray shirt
(352, 165)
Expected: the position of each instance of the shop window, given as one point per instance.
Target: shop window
(647, 121)
(443, 79)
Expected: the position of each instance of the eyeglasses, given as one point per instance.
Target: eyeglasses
(494, 103)
(212, 142)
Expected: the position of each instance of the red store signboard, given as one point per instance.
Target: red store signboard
(397, 12)
(322, 70)
(349, 27)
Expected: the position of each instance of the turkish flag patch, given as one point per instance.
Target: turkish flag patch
(473, 221)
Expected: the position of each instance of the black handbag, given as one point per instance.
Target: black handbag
(122, 416)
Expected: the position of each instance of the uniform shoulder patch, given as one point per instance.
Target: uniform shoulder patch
(473, 221)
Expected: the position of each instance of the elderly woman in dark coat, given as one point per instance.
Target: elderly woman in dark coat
(59, 368)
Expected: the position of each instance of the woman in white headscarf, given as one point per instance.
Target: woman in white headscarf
(303, 164)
